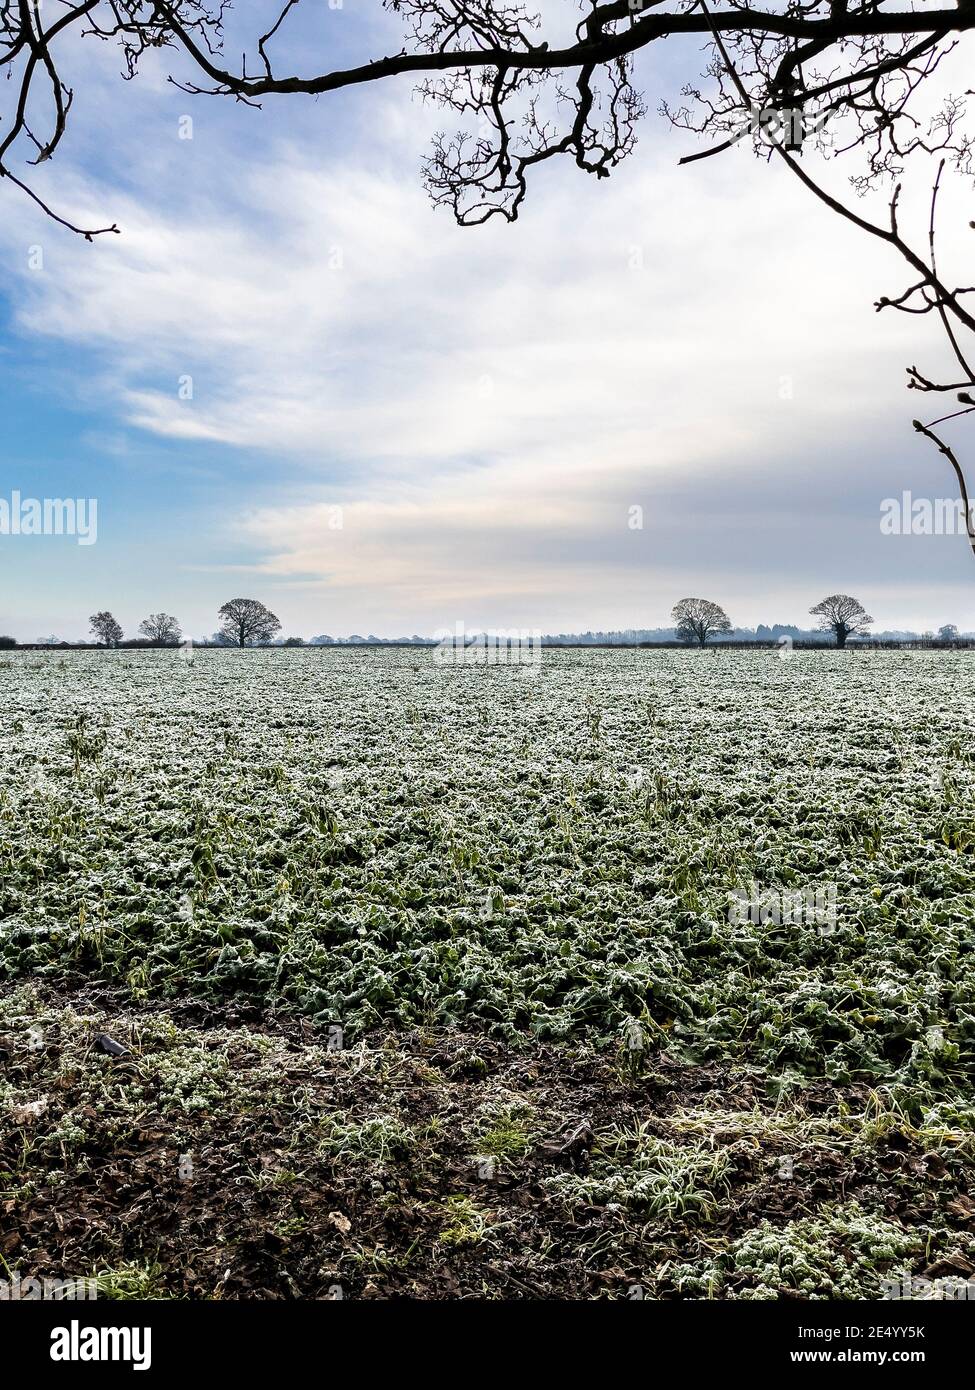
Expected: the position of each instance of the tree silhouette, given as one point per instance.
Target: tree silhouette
(246, 621)
(696, 618)
(161, 627)
(105, 628)
(841, 615)
(526, 99)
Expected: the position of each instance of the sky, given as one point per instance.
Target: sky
(291, 378)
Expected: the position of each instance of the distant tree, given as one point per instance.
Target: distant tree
(842, 615)
(220, 639)
(293, 642)
(948, 633)
(105, 628)
(696, 618)
(161, 627)
(246, 621)
(7, 642)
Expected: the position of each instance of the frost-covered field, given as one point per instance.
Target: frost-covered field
(607, 864)
(370, 839)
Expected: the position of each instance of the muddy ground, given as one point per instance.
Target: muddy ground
(234, 1155)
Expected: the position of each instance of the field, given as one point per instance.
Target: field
(642, 974)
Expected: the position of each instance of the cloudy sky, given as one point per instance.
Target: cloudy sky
(287, 336)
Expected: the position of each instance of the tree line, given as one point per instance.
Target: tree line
(841, 615)
(248, 622)
(244, 622)
(697, 619)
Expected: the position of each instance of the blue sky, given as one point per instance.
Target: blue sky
(485, 406)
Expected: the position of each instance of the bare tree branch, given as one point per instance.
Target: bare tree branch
(776, 78)
(531, 101)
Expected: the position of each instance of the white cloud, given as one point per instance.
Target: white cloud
(485, 404)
